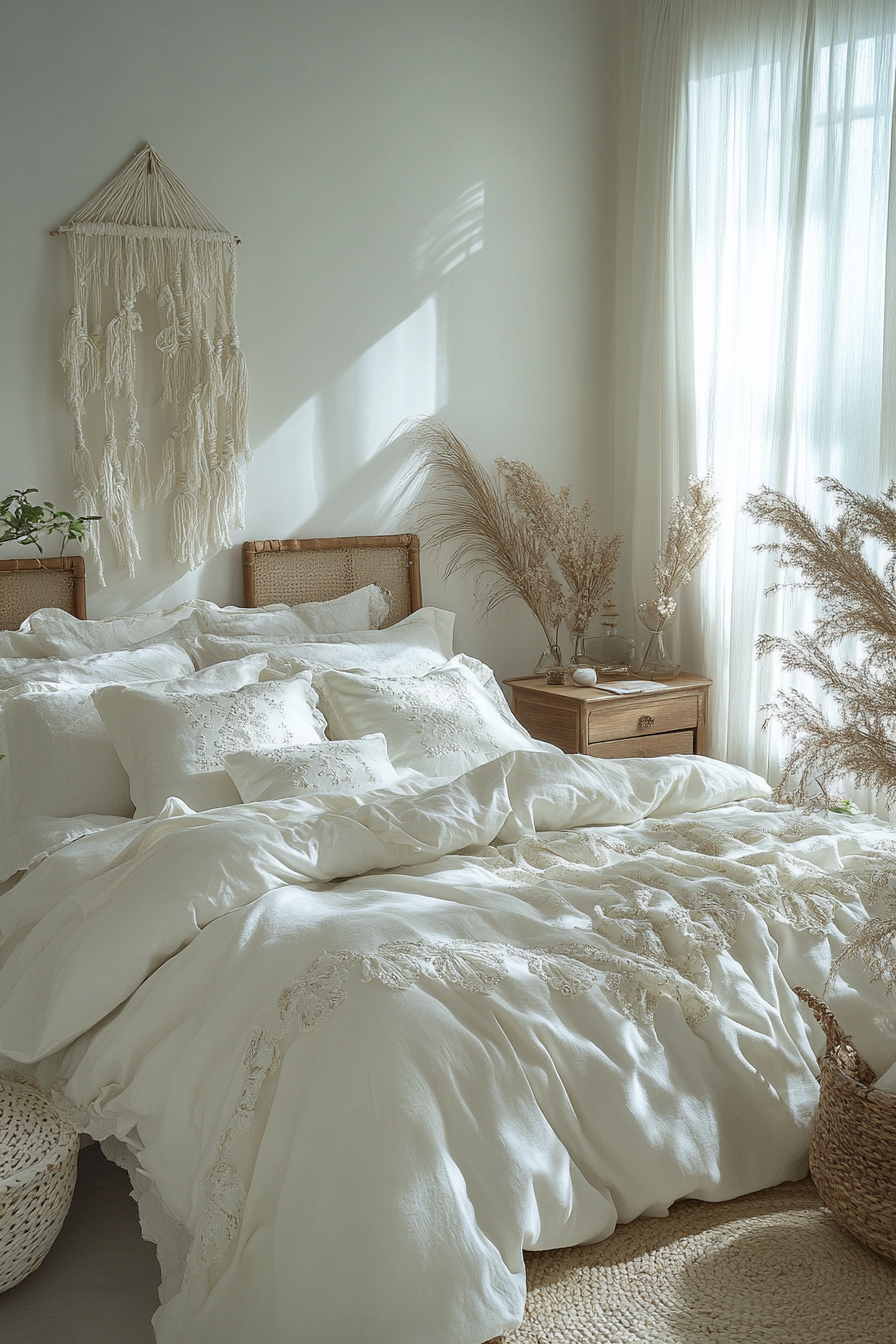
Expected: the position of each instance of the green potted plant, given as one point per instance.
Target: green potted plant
(26, 584)
(25, 521)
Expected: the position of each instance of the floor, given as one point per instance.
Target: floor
(99, 1281)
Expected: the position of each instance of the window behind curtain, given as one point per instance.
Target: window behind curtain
(785, 140)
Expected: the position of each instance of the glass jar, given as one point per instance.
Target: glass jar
(654, 663)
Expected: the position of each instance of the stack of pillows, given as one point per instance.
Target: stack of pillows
(104, 720)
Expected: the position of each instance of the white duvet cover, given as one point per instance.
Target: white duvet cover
(364, 1052)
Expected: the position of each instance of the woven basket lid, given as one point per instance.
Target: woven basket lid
(33, 1135)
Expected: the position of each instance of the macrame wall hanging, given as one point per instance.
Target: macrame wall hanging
(146, 233)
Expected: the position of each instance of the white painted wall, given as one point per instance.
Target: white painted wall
(343, 141)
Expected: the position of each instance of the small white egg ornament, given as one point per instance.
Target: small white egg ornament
(584, 676)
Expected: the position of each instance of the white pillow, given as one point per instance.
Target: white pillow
(63, 636)
(442, 723)
(325, 767)
(153, 663)
(417, 644)
(428, 621)
(172, 737)
(365, 609)
(60, 760)
(20, 643)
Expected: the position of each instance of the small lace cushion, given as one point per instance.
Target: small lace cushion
(441, 724)
(328, 767)
(172, 738)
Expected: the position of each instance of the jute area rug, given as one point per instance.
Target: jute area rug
(769, 1268)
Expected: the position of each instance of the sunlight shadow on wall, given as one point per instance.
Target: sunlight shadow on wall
(331, 468)
(454, 235)
(337, 466)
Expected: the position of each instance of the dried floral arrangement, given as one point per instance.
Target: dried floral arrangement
(693, 522)
(857, 739)
(534, 543)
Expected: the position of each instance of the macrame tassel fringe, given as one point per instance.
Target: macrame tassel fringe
(72, 358)
(94, 360)
(166, 480)
(87, 495)
(121, 352)
(117, 508)
(236, 395)
(136, 470)
(145, 233)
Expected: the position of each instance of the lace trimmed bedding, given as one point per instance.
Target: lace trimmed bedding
(369, 1050)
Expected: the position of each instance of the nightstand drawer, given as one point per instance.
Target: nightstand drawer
(595, 721)
(663, 714)
(654, 744)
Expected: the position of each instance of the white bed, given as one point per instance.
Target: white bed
(374, 992)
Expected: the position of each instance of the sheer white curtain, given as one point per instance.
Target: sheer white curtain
(756, 315)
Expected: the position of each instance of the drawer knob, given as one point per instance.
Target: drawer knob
(645, 721)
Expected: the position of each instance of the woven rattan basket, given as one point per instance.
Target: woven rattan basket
(38, 1166)
(852, 1156)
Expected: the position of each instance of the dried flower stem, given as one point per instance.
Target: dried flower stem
(469, 510)
(537, 544)
(693, 522)
(855, 737)
(586, 560)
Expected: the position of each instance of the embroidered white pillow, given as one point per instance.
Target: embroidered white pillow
(325, 767)
(172, 740)
(442, 723)
(365, 609)
(61, 761)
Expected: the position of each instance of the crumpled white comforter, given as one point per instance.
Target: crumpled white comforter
(363, 1052)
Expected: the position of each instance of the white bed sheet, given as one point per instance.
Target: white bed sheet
(365, 1052)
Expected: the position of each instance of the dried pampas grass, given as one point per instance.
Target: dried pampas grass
(586, 560)
(509, 524)
(853, 736)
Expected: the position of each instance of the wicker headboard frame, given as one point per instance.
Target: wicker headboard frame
(26, 585)
(316, 568)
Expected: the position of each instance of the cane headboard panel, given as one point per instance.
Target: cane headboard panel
(315, 569)
(26, 585)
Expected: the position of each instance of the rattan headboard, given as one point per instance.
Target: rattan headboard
(317, 568)
(26, 585)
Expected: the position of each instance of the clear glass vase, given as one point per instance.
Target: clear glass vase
(579, 656)
(551, 658)
(654, 663)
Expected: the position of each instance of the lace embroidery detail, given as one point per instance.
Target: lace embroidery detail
(220, 1220)
(230, 723)
(343, 764)
(441, 713)
(657, 919)
(314, 997)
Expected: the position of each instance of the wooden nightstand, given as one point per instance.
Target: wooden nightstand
(597, 723)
